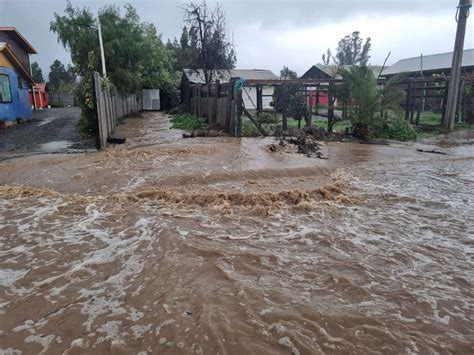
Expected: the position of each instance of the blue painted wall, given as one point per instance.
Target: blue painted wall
(20, 106)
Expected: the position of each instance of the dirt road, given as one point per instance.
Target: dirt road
(216, 245)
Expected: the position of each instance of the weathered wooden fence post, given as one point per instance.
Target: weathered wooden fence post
(412, 103)
(208, 102)
(408, 100)
(310, 108)
(421, 103)
(331, 102)
(445, 98)
(259, 90)
(230, 106)
(284, 108)
(216, 100)
(238, 113)
(458, 106)
(199, 100)
(317, 100)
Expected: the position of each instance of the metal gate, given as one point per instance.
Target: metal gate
(151, 99)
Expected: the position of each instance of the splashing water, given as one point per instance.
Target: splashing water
(368, 252)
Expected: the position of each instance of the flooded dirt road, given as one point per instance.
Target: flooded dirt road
(215, 245)
(49, 131)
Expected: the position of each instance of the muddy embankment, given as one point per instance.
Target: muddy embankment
(220, 246)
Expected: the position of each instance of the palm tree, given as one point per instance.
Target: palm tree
(364, 102)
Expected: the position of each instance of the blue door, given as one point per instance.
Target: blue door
(24, 106)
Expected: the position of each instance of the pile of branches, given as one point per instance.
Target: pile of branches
(305, 143)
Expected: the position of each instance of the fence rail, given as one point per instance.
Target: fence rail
(110, 106)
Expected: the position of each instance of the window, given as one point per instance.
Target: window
(20, 82)
(5, 91)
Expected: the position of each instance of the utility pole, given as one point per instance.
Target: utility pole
(462, 14)
(102, 55)
(101, 44)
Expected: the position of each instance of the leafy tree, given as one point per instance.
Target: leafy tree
(362, 99)
(288, 74)
(210, 46)
(351, 50)
(291, 99)
(37, 73)
(326, 58)
(128, 45)
(182, 50)
(157, 66)
(57, 73)
(135, 55)
(70, 77)
(61, 78)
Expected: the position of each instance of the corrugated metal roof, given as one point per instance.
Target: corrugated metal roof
(332, 70)
(440, 61)
(197, 76)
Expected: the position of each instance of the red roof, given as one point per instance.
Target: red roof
(19, 38)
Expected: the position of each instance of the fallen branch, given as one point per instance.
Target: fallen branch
(433, 151)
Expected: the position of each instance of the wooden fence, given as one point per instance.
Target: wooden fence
(110, 107)
(223, 107)
(216, 102)
(61, 98)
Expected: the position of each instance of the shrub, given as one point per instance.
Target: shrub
(87, 124)
(398, 129)
(267, 118)
(188, 121)
(249, 129)
(362, 99)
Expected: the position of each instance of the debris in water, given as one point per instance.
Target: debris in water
(433, 151)
(305, 143)
(116, 140)
(204, 133)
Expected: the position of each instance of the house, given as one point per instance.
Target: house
(321, 71)
(249, 94)
(428, 65)
(39, 100)
(15, 76)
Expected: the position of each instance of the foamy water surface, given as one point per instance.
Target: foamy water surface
(371, 255)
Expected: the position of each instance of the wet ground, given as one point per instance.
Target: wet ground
(50, 131)
(216, 245)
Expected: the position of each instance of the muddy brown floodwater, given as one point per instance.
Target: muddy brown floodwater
(217, 246)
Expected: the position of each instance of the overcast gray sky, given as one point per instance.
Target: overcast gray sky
(271, 33)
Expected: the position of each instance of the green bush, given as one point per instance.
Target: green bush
(87, 123)
(188, 121)
(249, 129)
(267, 118)
(398, 129)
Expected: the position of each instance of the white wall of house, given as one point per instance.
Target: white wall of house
(249, 95)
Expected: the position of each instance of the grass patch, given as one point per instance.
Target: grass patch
(339, 126)
(188, 122)
(249, 129)
(430, 118)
